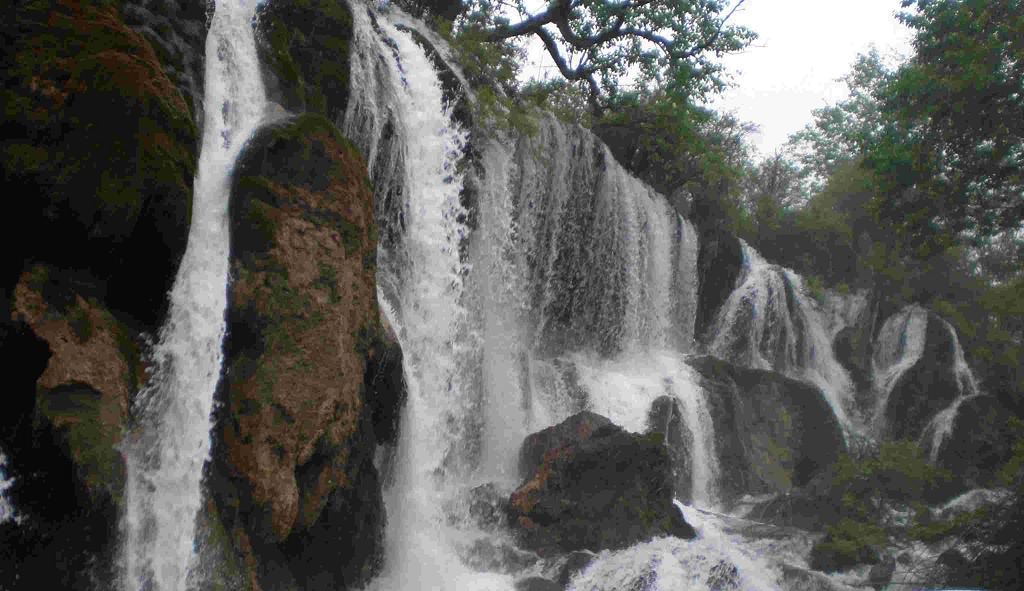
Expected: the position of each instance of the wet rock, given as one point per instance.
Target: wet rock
(488, 505)
(595, 488)
(795, 578)
(177, 31)
(980, 441)
(72, 368)
(927, 388)
(880, 574)
(296, 433)
(575, 429)
(499, 556)
(773, 433)
(719, 264)
(304, 47)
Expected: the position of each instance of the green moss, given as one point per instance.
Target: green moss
(91, 438)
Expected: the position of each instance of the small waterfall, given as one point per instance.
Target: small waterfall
(171, 440)
(6, 510)
(625, 389)
(939, 429)
(771, 322)
(899, 346)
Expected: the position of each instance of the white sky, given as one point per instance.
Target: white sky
(803, 47)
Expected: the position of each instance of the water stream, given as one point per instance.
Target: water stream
(170, 441)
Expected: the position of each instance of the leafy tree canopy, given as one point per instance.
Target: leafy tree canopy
(951, 154)
(608, 46)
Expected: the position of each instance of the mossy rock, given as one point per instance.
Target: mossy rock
(304, 45)
(296, 436)
(98, 153)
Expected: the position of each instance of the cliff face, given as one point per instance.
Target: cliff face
(97, 154)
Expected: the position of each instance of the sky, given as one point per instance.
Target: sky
(803, 47)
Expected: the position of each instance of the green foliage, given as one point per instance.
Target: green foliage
(615, 47)
(951, 155)
(851, 542)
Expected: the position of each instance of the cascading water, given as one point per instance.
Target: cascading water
(565, 284)
(771, 322)
(171, 440)
(900, 346)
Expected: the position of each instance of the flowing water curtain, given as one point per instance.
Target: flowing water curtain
(170, 443)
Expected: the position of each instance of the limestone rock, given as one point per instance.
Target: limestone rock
(296, 430)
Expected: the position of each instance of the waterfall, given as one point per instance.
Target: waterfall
(771, 322)
(900, 345)
(403, 124)
(170, 442)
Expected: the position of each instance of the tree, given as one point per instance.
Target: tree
(660, 45)
(842, 132)
(951, 154)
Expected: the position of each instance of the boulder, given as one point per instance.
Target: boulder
(980, 441)
(304, 49)
(575, 429)
(296, 432)
(596, 487)
(773, 433)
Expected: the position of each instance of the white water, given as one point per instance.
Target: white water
(898, 347)
(6, 510)
(771, 322)
(166, 451)
(714, 560)
(940, 428)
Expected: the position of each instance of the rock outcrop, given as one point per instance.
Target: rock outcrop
(73, 369)
(772, 432)
(596, 487)
(296, 484)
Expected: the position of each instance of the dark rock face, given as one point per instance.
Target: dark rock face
(100, 147)
(666, 419)
(304, 47)
(980, 443)
(772, 432)
(294, 478)
(719, 264)
(177, 31)
(595, 488)
(925, 389)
